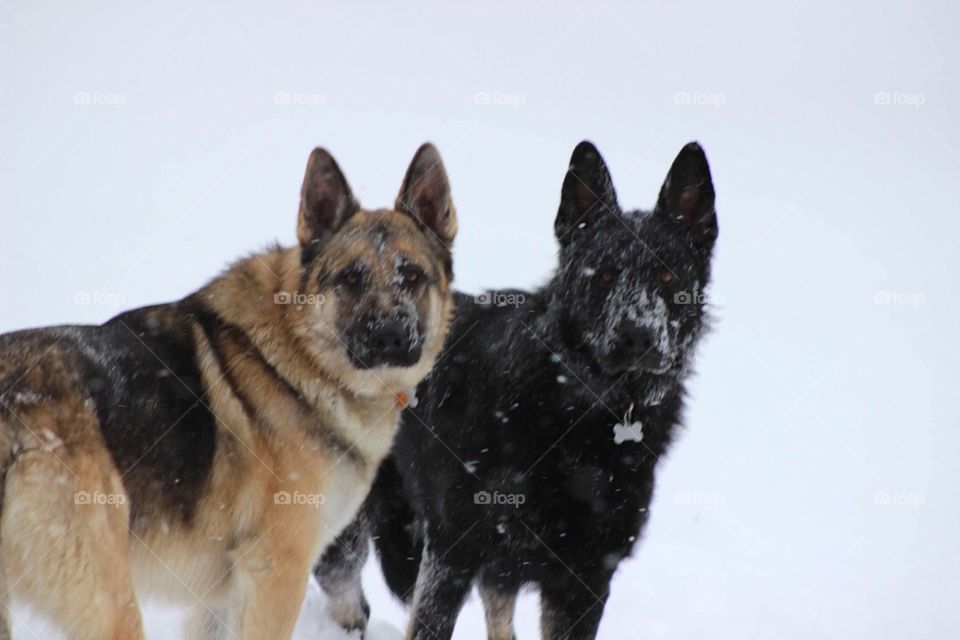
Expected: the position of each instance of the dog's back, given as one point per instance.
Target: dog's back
(139, 378)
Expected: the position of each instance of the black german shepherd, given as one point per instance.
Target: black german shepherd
(530, 457)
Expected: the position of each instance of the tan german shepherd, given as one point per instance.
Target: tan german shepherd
(208, 450)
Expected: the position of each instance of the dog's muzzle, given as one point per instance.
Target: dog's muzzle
(385, 344)
(637, 347)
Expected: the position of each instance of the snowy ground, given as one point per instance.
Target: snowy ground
(814, 491)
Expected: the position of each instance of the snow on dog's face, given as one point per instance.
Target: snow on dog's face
(632, 293)
(377, 284)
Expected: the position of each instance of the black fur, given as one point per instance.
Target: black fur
(522, 407)
(139, 373)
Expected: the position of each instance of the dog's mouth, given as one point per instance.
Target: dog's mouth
(658, 371)
(616, 363)
(373, 359)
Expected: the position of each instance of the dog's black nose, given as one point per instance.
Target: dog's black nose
(639, 345)
(635, 340)
(388, 338)
(389, 343)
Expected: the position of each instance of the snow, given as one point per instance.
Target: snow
(166, 623)
(813, 491)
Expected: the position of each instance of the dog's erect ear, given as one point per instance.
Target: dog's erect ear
(425, 194)
(325, 199)
(587, 193)
(687, 197)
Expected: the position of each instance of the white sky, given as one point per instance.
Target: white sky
(834, 139)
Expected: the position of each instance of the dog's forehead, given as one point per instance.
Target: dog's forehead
(631, 239)
(380, 237)
(380, 228)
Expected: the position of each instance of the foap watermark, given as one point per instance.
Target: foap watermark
(299, 299)
(896, 298)
(500, 299)
(499, 99)
(96, 498)
(697, 297)
(899, 99)
(299, 499)
(699, 99)
(897, 499)
(298, 99)
(99, 298)
(497, 499)
(98, 98)
(697, 499)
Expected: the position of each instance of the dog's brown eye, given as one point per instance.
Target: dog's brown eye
(666, 277)
(411, 275)
(607, 276)
(350, 278)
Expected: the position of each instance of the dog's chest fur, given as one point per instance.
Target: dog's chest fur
(534, 426)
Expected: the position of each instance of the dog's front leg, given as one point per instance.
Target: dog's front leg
(438, 597)
(273, 574)
(339, 575)
(499, 603)
(572, 603)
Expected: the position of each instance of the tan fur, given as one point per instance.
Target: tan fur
(58, 552)
(283, 483)
(498, 608)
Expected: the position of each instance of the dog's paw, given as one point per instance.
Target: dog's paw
(351, 615)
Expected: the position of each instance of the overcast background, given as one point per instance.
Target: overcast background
(813, 493)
